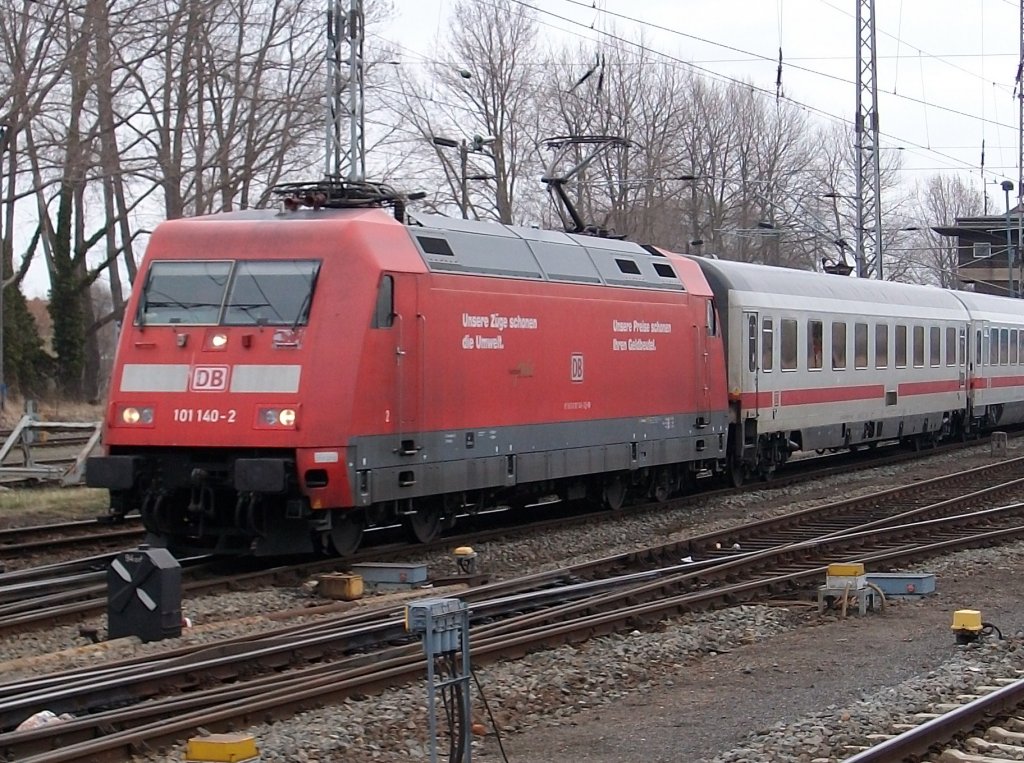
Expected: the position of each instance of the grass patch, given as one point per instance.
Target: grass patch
(33, 506)
(50, 410)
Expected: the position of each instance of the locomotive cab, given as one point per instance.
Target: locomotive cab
(240, 339)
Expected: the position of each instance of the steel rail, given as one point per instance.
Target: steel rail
(945, 728)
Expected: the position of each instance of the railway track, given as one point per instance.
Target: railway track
(510, 618)
(63, 603)
(33, 538)
(984, 727)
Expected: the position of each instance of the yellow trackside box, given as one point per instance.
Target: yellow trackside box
(967, 620)
(842, 576)
(222, 748)
(338, 586)
(846, 570)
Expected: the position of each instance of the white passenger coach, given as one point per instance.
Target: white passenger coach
(820, 361)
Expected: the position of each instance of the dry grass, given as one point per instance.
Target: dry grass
(34, 506)
(52, 410)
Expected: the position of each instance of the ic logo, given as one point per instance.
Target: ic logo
(209, 379)
(576, 367)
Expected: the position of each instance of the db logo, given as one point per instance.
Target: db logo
(209, 378)
(576, 367)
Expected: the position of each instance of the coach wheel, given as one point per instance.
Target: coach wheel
(614, 493)
(425, 525)
(737, 472)
(662, 488)
(346, 531)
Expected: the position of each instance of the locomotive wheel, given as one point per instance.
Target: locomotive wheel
(614, 493)
(424, 526)
(346, 531)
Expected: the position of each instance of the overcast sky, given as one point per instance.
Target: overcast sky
(946, 68)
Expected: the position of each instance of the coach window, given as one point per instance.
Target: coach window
(860, 345)
(935, 346)
(752, 343)
(838, 346)
(788, 344)
(978, 354)
(919, 346)
(901, 346)
(963, 345)
(1013, 347)
(881, 345)
(1004, 346)
(814, 345)
(950, 346)
(993, 347)
(1020, 338)
(767, 345)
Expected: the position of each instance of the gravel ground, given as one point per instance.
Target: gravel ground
(752, 683)
(767, 682)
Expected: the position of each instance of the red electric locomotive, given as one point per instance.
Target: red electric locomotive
(285, 379)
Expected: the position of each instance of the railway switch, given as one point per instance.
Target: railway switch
(144, 595)
(967, 625)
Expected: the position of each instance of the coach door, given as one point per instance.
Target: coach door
(962, 358)
(751, 377)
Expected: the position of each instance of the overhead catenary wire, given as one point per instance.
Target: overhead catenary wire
(957, 162)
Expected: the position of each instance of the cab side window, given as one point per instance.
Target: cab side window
(384, 310)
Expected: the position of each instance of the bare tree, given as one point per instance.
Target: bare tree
(837, 199)
(489, 94)
(940, 200)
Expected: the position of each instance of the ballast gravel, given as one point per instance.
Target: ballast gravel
(752, 683)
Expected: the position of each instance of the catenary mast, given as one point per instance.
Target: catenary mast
(346, 148)
(869, 212)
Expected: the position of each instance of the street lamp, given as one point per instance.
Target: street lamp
(1007, 186)
(479, 141)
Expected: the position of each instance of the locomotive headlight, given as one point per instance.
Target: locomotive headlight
(277, 418)
(137, 415)
(215, 340)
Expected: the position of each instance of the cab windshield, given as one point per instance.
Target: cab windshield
(232, 293)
